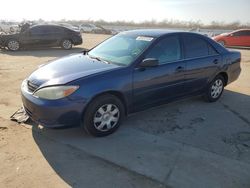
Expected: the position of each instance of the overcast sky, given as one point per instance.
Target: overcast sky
(128, 10)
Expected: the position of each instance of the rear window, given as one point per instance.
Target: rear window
(195, 47)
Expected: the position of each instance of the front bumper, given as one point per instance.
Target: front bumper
(53, 113)
(77, 40)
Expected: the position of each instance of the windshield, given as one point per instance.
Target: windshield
(121, 49)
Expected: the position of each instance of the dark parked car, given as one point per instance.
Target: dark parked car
(42, 35)
(129, 72)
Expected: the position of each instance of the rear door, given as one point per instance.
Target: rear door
(52, 35)
(45, 35)
(202, 62)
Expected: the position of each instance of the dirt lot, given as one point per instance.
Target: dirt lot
(188, 143)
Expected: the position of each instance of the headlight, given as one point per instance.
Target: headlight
(55, 92)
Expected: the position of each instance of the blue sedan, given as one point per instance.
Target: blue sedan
(129, 72)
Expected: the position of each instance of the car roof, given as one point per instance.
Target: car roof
(155, 33)
(54, 26)
(46, 25)
(241, 30)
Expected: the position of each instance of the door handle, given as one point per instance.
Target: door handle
(179, 69)
(216, 61)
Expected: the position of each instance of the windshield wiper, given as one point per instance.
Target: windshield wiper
(94, 57)
(98, 59)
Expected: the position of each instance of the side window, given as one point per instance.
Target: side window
(35, 30)
(195, 47)
(54, 30)
(167, 50)
(211, 50)
(45, 30)
(239, 33)
(248, 33)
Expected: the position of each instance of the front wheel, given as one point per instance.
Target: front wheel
(66, 44)
(103, 115)
(215, 89)
(13, 45)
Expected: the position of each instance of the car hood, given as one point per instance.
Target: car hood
(224, 34)
(67, 69)
(7, 36)
(218, 37)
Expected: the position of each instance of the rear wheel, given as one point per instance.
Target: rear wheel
(103, 115)
(13, 45)
(215, 89)
(66, 44)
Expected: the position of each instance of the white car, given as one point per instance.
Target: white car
(69, 26)
(89, 28)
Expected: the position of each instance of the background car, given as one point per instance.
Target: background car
(42, 35)
(8, 27)
(235, 38)
(69, 26)
(128, 72)
(89, 28)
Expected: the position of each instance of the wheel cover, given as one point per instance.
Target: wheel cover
(106, 117)
(13, 45)
(216, 88)
(67, 44)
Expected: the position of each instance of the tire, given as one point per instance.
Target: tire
(221, 42)
(215, 89)
(13, 45)
(66, 44)
(103, 116)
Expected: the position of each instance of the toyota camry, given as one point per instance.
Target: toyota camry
(129, 72)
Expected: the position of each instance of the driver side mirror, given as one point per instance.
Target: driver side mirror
(149, 62)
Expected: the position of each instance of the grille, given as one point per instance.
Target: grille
(31, 87)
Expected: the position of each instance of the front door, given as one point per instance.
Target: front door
(153, 85)
(33, 36)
